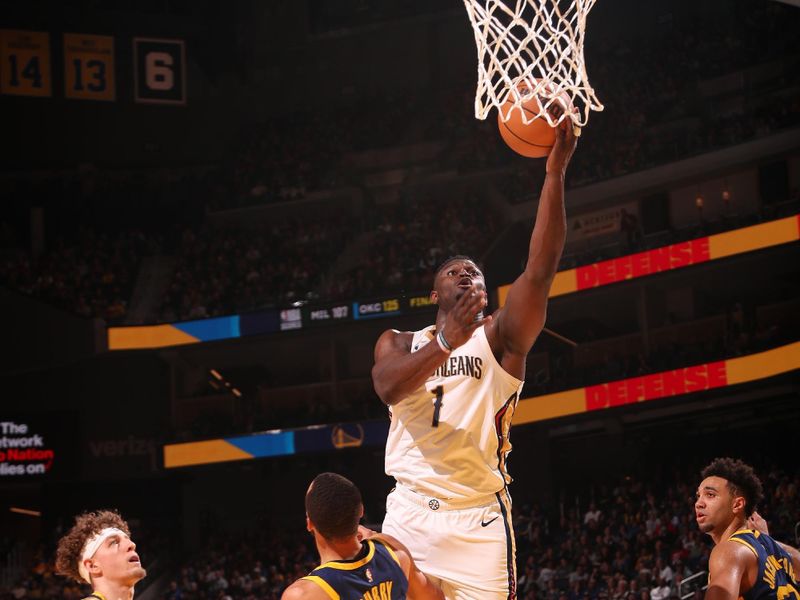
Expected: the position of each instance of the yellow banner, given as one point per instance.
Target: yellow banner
(24, 63)
(89, 66)
(147, 336)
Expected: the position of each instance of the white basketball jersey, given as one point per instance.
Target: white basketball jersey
(450, 438)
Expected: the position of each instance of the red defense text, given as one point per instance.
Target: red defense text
(643, 263)
(658, 385)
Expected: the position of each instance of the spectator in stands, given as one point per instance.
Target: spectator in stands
(661, 590)
(592, 516)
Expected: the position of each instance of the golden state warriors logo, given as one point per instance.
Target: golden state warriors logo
(368, 573)
(347, 435)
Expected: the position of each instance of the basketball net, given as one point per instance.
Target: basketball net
(532, 47)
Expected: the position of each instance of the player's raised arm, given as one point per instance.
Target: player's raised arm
(757, 522)
(793, 553)
(519, 322)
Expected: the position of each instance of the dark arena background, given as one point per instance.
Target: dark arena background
(212, 210)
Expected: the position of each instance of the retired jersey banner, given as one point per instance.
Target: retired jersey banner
(159, 71)
(25, 63)
(89, 67)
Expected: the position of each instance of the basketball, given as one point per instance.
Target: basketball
(535, 139)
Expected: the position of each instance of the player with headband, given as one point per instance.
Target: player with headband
(98, 550)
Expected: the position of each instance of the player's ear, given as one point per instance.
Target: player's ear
(738, 504)
(309, 525)
(92, 567)
(434, 296)
(361, 512)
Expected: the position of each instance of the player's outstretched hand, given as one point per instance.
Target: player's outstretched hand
(364, 533)
(464, 318)
(757, 522)
(560, 155)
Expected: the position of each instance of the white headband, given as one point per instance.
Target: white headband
(91, 546)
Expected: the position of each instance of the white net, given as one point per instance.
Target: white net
(532, 47)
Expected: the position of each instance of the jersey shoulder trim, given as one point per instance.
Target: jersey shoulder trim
(324, 585)
(754, 532)
(735, 537)
(350, 565)
(391, 551)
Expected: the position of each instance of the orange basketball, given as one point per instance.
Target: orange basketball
(535, 139)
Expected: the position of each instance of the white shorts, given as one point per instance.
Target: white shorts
(466, 548)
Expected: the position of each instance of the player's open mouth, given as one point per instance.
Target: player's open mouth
(134, 559)
(465, 283)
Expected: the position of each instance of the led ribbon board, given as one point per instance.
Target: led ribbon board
(318, 438)
(667, 258)
(655, 386)
(676, 382)
(674, 256)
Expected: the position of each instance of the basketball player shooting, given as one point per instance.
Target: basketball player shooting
(452, 389)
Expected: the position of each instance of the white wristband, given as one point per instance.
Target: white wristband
(442, 341)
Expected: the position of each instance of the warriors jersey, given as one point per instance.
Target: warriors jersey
(450, 438)
(374, 574)
(776, 578)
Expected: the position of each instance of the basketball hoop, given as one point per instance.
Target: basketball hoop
(531, 47)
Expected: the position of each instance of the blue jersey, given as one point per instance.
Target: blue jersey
(374, 574)
(776, 577)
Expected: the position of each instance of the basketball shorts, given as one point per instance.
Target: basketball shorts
(466, 548)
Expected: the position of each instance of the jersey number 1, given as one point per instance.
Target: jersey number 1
(437, 406)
